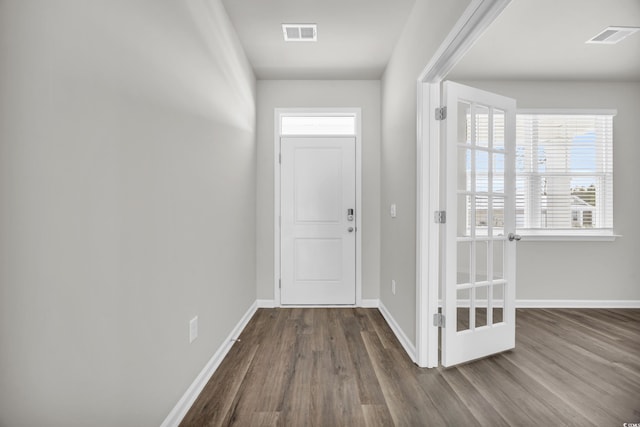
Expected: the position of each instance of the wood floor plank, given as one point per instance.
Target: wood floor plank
(448, 404)
(344, 391)
(593, 351)
(295, 409)
(264, 419)
(600, 378)
(506, 396)
(345, 367)
(482, 410)
(580, 395)
(228, 380)
(561, 412)
(264, 386)
(405, 399)
(377, 416)
(369, 389)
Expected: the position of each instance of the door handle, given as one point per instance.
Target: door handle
(513, 237)
(350, 229)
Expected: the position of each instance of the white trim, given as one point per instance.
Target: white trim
(287, 306)
(370, 303)
(184, 404)
(278, 113)
(548, 303)
(365, 303)
(478, 16)
(473, 22)
(398, 332)
(266, 303)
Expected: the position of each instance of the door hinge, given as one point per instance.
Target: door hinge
(438, 320)
(280, 158)
(441, 113)
(279, 283)
(440, 217)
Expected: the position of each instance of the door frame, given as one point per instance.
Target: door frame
(476, 18)
(324, 112)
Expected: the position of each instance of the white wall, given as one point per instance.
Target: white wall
(586, 270)
(127, 205)
(312, 93)
(428, 25)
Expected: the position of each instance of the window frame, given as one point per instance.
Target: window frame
(577, 234)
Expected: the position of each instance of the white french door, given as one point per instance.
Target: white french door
(318, 243)
(479, 270)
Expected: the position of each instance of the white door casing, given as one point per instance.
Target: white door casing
(318, 238)
(479, 262)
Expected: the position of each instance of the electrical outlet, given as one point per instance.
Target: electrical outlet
(193, 329)
(393, 286)
(393, 210)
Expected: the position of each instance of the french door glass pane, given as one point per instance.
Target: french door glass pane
(481, 261)
(498, 303)
(464, 123)
(464, 263)
(482, 171)
(498, 173)
(464, 212)
(498, 259)
(497, 216)
(498, 129)
(463, 309)
(481, 303)
(482, 125)
(464, 169)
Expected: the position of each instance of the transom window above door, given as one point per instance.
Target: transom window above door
(318, 125)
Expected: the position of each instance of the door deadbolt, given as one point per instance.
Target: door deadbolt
(349, 214)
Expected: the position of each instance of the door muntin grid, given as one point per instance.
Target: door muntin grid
(480, 240)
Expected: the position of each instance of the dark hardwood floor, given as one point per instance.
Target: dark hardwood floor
(344, 367)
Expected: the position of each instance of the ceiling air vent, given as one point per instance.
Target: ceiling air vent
(612, 35)
(300, 32)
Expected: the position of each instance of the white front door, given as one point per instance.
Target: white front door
(479, 279)
(318, 244)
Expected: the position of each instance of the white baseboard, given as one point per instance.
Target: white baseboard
(399, 333)
(370, 303)
(266, 303)
(545, 303)
(182, 407)
(365, 303)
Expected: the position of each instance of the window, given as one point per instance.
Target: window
(318, 125)
(564, 173)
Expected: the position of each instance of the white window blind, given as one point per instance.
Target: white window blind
(564, 173)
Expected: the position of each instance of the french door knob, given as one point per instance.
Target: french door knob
(513, 237)
(350, 229)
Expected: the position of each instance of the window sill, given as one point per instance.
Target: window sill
(569, 238)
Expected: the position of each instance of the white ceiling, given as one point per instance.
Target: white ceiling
(531, 40)
(355, 37)
(545, 40)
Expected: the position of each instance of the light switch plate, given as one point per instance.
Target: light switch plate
(393, 210)
(193, 329)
